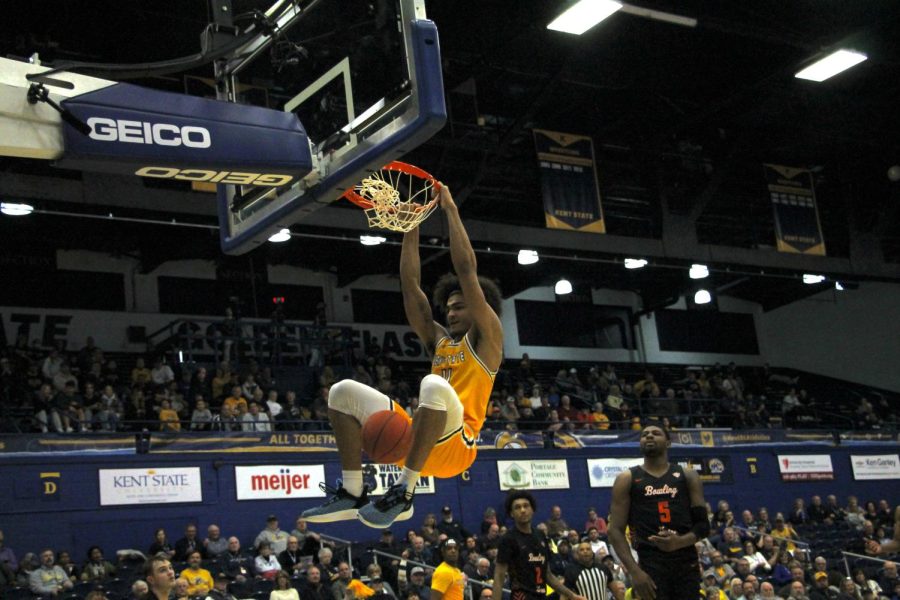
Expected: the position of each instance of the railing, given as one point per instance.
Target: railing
(274, 341)
(863, 556)
(429, 568)
(344, 544)
(800, 544)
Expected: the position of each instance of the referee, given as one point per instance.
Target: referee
(588, 576)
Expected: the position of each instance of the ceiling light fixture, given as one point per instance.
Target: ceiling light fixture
(371, 240)
(282, 236)
(13, 209)
(658, 15)
(583, 15)
(635, 263)
(563, 287)
(528, 257)
(698, 271)
(831, 65)
(838, 286)
(810, 279)
(702, 297)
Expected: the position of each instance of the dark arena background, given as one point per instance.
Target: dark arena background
(684, 233)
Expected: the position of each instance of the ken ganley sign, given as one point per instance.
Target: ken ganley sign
(272, 482)
(150, 486)
(879, 466)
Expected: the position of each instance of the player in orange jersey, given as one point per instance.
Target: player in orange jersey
(453, 399)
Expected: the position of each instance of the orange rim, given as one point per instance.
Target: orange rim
(401, 167)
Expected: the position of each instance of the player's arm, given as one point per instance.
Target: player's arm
(439, 584)
(669, 541)
(415, 302)
(643, 586)
(891, 546)
(560, 586)
(499, 578)
(487, 323)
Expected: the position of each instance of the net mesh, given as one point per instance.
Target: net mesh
(392, 209)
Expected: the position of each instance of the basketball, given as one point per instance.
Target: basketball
(386, 437)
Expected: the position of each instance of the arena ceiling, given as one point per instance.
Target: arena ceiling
(684, 114)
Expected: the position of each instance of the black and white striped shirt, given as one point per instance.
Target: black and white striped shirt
(590, 582)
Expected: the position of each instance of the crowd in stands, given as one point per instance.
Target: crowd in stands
(64, 391)
(757, 555)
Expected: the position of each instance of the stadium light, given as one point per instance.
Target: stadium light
(563, 287)
(635, 263)
(282, 236)
(699, 271)
(528, 257)
(583, 15)
(371, 240)
(13, 209)
(702, 297)
(810, 279)
(831, 65)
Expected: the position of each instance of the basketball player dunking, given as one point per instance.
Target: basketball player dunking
(453, 399)
(524, 554)
(664, 507)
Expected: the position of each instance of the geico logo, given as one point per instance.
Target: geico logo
(141, 132)
(233, 177)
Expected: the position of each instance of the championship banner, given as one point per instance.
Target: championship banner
(805, 467)
(569, 181)
(793, 196)
(881, 466)
(533, 474)
(711, 469)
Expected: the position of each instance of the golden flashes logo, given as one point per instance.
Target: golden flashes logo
(51, 483)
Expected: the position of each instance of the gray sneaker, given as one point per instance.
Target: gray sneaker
(342, 505)
(395, 505)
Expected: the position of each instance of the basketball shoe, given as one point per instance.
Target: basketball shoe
(341, 506)
(395, 505)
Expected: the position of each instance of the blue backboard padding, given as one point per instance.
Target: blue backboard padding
(241, 137)
(432, 114)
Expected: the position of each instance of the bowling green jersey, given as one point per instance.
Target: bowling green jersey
(457, 362)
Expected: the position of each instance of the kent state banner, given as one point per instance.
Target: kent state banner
(793, 196)
(569, 181)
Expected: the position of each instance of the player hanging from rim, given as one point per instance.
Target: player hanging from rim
(663, 506)
(453, 399)
(524, 553)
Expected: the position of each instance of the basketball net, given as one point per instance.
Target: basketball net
(386, 207)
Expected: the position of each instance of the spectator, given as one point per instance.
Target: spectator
(722, 571)
(798, 576)
(97, 569)
(168, 418)
(273, 407)
(797, 591)
(110, 411)
(255, 420)
(308, 540)
(339, 586)
(594, 520)
(748, 592)
(888, 578)
(816, 511)
(161, 374)
(798, 515)
(48, 579)
(140, 589)
(214, 544)
(7, 555)
(450, 527)
(313, 588)
(225, 420)
(730, 546)
(273, 535)
(597, 545)
(555, 524)
(265, 564)
(767, 591)
(290, 558)
(201, 418)
(833, 512)
(488, 518)
(235, 401)
(187, 544)
(161, 545)
(820, 589)
(220, 589)
(140, 374)
(235, 563)
(784, 532)
(283, 588)
(756, 560)
(327, 568)
(200, 581)
(180, 589)
(64, 561)
(864, 583)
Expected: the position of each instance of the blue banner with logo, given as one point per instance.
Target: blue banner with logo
(793, 196)
(569, 181)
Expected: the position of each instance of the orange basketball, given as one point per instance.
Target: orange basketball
(386, 437)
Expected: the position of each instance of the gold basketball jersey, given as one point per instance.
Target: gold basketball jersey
(470, 378)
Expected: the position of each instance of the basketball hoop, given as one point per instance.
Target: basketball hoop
(397, 197)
